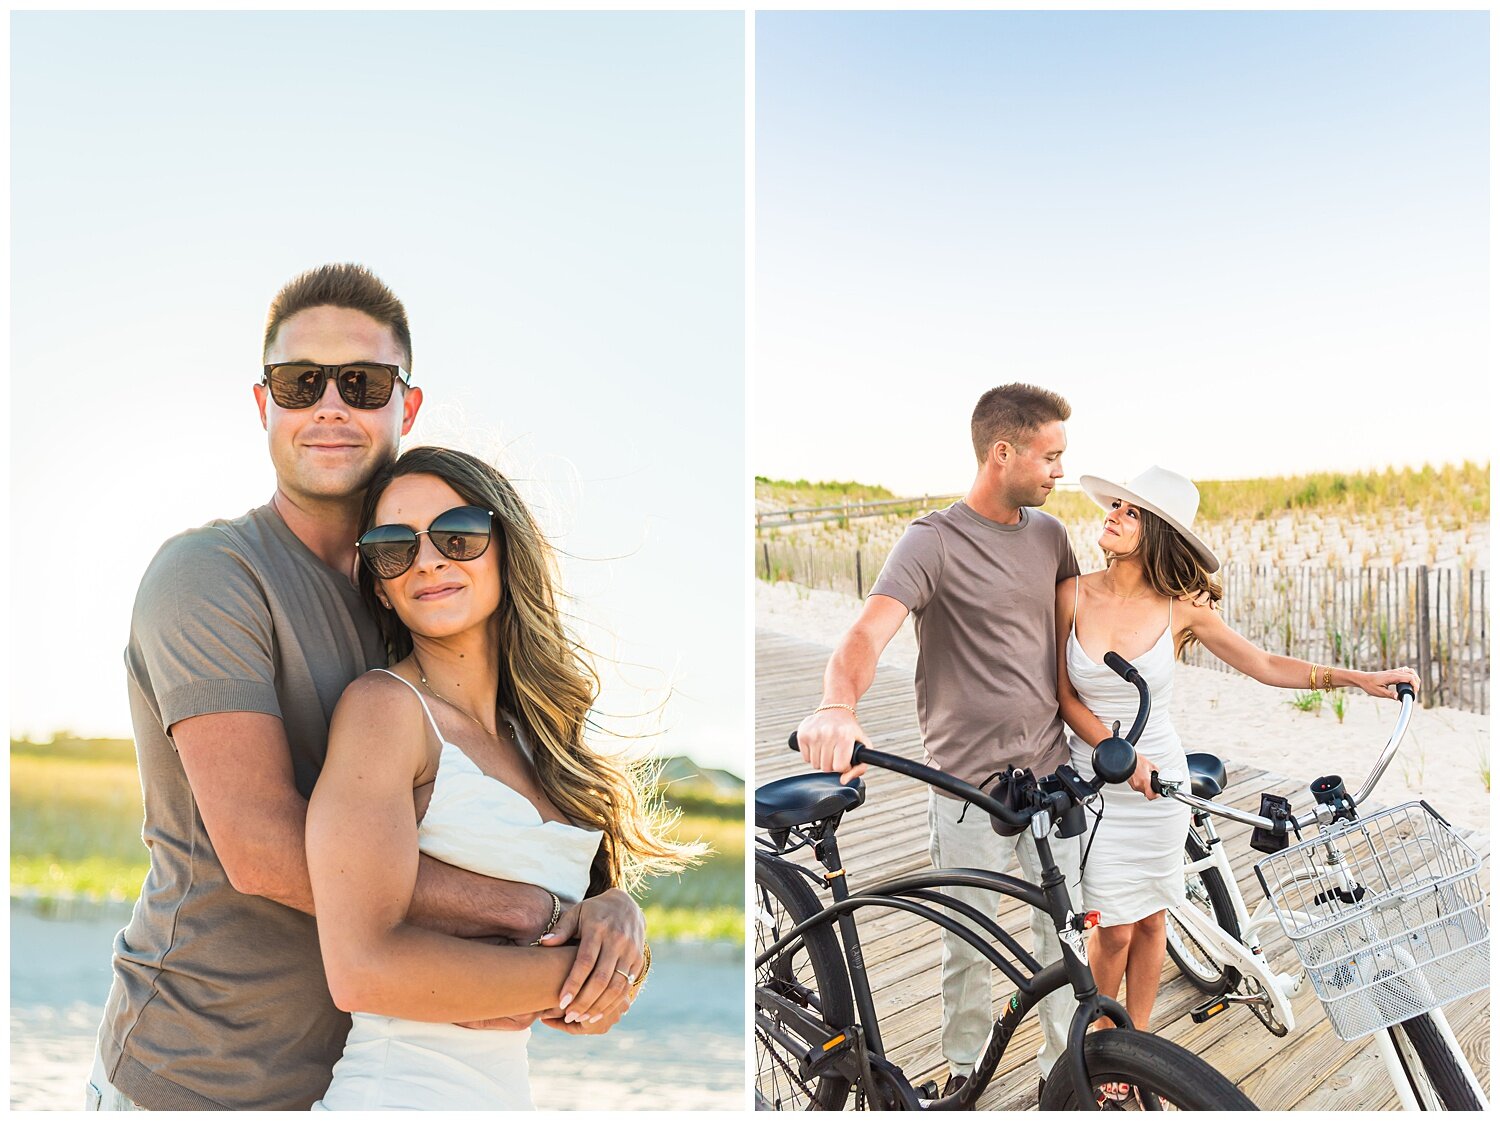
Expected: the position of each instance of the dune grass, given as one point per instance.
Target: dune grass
(800, 492)
(76, 830)
(1455, 493)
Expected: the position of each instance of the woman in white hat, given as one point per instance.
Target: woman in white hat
(1153, 599)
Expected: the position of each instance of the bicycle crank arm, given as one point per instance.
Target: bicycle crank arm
(818, 1047)
(1251, 965)
(1214, 1005)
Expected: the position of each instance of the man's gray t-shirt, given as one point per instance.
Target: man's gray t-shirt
(219, 999)
(983, 596)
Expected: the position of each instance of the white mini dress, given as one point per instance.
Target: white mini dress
(476, 822)
(1133, 867)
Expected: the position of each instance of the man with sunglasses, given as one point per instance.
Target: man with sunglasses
(244, 634)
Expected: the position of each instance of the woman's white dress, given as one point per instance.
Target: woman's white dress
(1133, 868)
(475, 822)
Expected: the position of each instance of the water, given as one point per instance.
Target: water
(681, 1047)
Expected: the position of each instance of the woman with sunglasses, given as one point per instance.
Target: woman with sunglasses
(470, 749)
(1154, 599)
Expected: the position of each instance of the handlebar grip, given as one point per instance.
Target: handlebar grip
(1403, 690)
(791, 742)
(1120, 665)
(1156, 782)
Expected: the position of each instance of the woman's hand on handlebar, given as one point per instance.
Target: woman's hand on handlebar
(1383, 682)
(826, 740)
(1141, 780)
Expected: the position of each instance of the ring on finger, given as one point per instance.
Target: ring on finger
(629, 977)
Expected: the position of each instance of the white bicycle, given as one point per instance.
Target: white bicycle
(1386, 912)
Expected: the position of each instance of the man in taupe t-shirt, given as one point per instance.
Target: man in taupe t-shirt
(980, 580)
(245, 633)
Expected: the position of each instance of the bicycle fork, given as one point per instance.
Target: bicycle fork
(1413, 1090)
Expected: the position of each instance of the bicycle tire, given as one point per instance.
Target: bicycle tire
(1191, 959)
(814, 976)
(1443, 1072)
(1156, 1065)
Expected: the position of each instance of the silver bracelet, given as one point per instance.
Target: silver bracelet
(552, 922)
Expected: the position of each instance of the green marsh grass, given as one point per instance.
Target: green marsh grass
(76, 830)
(75, 818)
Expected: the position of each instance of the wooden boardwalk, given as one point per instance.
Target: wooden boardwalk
(1310, 1068)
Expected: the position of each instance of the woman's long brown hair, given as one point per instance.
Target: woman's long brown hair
(546, 679)
(1172, 569)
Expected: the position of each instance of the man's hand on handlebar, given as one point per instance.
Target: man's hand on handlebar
(826, 740)
(1141, 780)
(1383, 682)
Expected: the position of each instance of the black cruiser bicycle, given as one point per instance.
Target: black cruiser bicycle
(817, 1038)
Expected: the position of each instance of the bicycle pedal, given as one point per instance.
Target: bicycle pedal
(1208, 1010)
(826, 1055)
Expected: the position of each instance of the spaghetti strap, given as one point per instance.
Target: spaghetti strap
(421, 699)
(1076, 581)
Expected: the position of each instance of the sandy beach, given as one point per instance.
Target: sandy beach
(680, 1048)
(1444, 758)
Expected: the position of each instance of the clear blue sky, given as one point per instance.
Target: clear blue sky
(558, 198)
(1240, 243)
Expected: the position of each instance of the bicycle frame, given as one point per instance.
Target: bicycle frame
(919, 894)
(856, 1051)
(1247, 954)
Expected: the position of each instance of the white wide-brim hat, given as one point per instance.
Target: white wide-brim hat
(1171, 497)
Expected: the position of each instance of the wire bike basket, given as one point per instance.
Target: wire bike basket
(1387, 915)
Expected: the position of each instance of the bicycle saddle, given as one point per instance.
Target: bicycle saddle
(803, 798)
(1209, 779)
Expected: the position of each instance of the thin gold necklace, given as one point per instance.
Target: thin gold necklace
(1102, 584)
(423, 675)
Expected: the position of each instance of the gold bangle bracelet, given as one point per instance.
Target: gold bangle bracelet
(645, 969)
(1328, 679)
(1312, 676)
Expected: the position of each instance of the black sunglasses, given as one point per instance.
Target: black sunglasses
(362, 385)
(460, 534)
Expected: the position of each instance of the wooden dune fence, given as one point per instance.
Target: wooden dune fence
(1435, 620)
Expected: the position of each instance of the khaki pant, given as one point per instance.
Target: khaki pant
(98, 1094)
(967, 994)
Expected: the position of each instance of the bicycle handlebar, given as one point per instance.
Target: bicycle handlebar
(869, 757)
(1132, 675)
(1320, 813)
(862, 754)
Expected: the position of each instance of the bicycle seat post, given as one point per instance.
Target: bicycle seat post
(826, 848)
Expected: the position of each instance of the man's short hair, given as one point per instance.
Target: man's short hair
(346, 286)
(1013, 413)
